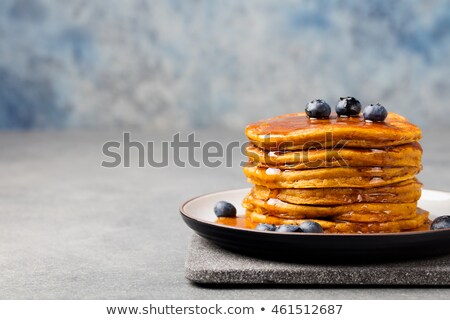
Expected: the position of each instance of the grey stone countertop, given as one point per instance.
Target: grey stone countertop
(71, 229)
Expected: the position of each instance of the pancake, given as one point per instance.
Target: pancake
(354, 212)
(420, 219)
(402, 192)
(296, 131)
(362, 177)
(408, 155)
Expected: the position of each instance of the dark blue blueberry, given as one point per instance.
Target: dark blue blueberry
(318, 109)
(442, 222)
(348, 106)
(288, 228)
(311, 227)
(224, 209)
(266, 227)
(375, 112)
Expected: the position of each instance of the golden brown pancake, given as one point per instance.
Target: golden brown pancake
(362, 177)
(402, 192)
(354, 212)
(296, 131)
(408, 155)
(420, 219)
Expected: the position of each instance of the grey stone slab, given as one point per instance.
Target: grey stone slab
(210, 264)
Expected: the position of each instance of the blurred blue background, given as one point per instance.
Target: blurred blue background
(199, 63)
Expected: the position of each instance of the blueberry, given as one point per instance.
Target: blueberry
(348, 107)
(265, 227)
(375, 113)
(318, 109)
(442, 222)
(311, 227)
(224, 209)
(288, 228)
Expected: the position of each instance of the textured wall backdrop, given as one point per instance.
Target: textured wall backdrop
(196, 63)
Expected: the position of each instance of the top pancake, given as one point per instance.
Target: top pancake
(296, 131)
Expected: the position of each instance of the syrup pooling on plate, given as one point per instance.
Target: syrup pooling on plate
(238, 222)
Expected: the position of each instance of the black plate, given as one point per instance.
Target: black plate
(330, 248)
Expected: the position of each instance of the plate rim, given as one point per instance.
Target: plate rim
(328, 235)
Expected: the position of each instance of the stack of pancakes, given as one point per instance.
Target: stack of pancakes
(349, 175)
